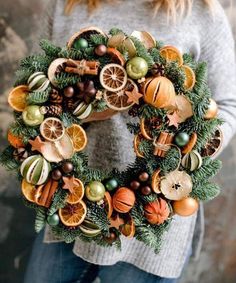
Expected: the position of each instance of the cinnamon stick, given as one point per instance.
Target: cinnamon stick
(53, 189)
(44, 196)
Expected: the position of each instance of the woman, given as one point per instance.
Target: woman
(201, 29)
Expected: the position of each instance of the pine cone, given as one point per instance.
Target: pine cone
(55, 97)
(134, 110)
(158, 70)
(69, 104)
(54, 110)
(20, 154)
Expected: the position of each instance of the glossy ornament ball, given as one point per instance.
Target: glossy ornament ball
(32, 116)
(111, 238)
(182, 139)
(67, 167)
(95, 191)
(80, 43)
(212, 110)
(69, 92)
(123, 200)
(137, 68)
(156, 212)
(53, 220)
(186, 206)
(56, 174)
(146, 190)
(143, 177)
(111, 184)
(100, 50)
(134, 185)
(35, 169)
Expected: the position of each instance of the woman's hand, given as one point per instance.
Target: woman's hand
(99, 116)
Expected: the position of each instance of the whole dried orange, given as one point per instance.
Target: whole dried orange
(73, 214)
(15, 141)
(52, 129)
(77, 193)
(78, 137)
(171, 53)
(190, 78)
(17, 97)
(28, 190)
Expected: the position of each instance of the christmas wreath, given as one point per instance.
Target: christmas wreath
(176, 133)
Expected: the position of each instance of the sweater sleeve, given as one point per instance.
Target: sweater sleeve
(218, 51)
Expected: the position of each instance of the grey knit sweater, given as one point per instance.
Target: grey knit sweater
(110, 143)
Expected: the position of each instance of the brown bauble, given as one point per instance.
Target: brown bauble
(56, 174)
(146, 190)
(67, 167)
(156, 212)
(69, 92)
(111, 238)
(134, 185)
(123, 200)
(212, 110)
(100, 50)
(159, 92)
(186, 206)
(143, 177)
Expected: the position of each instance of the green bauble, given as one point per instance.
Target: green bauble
(53, 220)
(32, 115)
(95, 191)
(80, 43)
(137, 68)
(182, 139)
(111, 184)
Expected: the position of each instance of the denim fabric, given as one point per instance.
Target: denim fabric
(56, 263)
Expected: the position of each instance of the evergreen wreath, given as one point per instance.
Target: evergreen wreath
(176, 134)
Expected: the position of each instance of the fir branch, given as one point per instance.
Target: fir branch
(37, 97)
(40, 219)
(64, 79)
(99, 105)
(115, 31)
(176, 75)
(49, 48)
(36, 63)
(146, 147)
(18, 128)
(98, 215)
(205, 191)
(189, 61)
(171, 160)
(7, 160)
(59, 200)
(97, 39)
(147, 111)
(93, 174)
(157, 58)
(70, 53)
(134, 128)
(22, 76)
(68, 119)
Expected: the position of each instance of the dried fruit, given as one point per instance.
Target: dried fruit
(171, 53)
(52, 129)
(17, 97)
(157, 212)
(123, 200)
(78, 137)
(73, 215)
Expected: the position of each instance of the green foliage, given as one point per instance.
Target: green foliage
(176, 75)
(49, 48)
(115, 31)
(40, 219)
(97, 39)
(99, 105)
(36, 63)
(134, 128)
(64, 79)
(18, 128)
(68, 119)
(171, 160)
(37, 97)
(205, 191)
(22, 76)
(58, 201)
(98, 215)
(7, 160)
(70, 53)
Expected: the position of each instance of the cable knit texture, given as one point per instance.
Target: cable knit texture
(110, 144)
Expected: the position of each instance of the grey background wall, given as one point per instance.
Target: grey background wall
(18, 22)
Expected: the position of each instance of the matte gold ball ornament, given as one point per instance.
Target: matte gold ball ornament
(185, 207)
(212, 110)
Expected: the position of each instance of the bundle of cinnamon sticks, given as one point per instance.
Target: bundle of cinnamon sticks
(82, 67)
(162, 144)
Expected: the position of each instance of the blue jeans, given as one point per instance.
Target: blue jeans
(56, 263)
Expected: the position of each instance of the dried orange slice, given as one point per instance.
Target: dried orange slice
(213, 145)
(171, 53)
(116, 56)
(137, 140)
(119, 100)
(147, 124)
(15, 141)
(77, 193)
(28, 190)
(73, 214)
(17, 97)
(190, 78)
(190, 145)
(113, 77)
(128, 229)
(52, 129)
(78, 137)
(108, 204)
(156, 181)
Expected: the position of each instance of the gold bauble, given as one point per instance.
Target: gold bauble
(212, 110)
(186, 206)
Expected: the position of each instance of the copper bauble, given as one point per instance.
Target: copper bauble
(159, 92)
(123, 200)
(156, 212)
(212, 110)
(186, 206)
